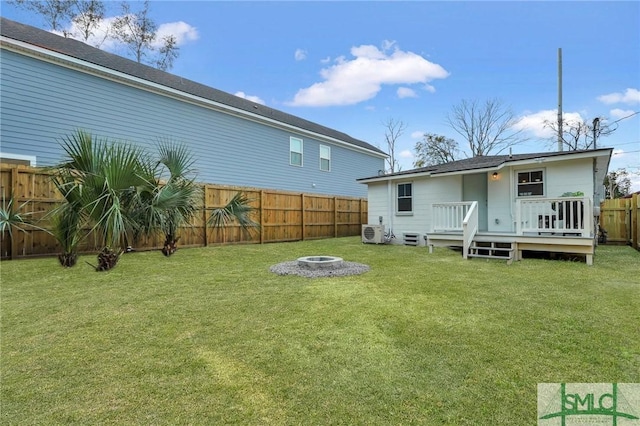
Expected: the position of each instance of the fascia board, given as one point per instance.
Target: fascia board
(394, 177)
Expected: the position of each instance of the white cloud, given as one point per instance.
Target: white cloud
(621, 113)
(300, 55)
(429, 88)
(630, 96)
(535, 123)
(418, 134)
(255, 99)
(182, 31)
(406, 154)
(325, 60)
(405, 92)
(350, 81)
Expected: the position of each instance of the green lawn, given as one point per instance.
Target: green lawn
(210, 336)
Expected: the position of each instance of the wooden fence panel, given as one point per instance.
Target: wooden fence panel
(283, 216)
(619, 217)
(614, 219)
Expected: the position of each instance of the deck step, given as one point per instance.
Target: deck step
(490, 250)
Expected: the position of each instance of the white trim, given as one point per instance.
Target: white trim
(543, 171)
(291, 139)
(325, 158)
(30, 158)
(403, 212)
(120, 77)
(531, 162)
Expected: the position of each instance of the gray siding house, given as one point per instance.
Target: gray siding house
(52, 86)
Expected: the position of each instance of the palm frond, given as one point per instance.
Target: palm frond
(238, 209)
(176, 157)
(12, 217)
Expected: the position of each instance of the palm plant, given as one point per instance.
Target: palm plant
(101, 182)
(68, 217)
(11, 218)
(171, 198)
(239, 210)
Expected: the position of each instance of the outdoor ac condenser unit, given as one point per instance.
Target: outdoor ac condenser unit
(373, 234)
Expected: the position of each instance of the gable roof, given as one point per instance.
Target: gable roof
(83, 52)
(495, 162)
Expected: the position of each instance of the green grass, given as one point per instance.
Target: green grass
(210, 336)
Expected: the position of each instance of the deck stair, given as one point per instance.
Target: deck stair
(492, 250)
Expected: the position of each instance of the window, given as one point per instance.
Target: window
(404, 197)
(531, 183)
(325, 158)
(295, 152)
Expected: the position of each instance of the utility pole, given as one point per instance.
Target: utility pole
(560, 140)
(596, 127)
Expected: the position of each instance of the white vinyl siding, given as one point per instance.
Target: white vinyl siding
(295, 151)
(325, 158)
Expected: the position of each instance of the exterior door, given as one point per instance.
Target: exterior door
(474, 188)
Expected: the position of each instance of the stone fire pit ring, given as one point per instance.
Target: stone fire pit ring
(319, 266)
(320, 262)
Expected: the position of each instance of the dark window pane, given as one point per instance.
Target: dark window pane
(404, 204)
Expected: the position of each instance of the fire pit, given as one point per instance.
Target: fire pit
(320, 262)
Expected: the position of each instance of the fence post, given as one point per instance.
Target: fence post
(16, 204)
(302, 211)
(204, 214)
(634, 221)
(261, 217)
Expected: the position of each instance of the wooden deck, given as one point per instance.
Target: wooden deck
(544, 242)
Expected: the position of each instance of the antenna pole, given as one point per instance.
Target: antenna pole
(560, 141)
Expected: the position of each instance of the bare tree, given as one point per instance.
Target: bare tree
(435, 149)
(488, 127)
(138, 32)
(56, 13)
(393, 130)
(579, 134)
(88, 17)
(168, 52)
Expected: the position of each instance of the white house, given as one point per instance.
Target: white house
(494, 206)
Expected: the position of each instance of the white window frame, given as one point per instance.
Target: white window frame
(541, 182)
(404, 197)
(292, 151)
(327, 158)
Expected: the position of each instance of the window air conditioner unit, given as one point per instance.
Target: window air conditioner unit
(373, 234)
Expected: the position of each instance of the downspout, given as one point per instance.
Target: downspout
(512, 200)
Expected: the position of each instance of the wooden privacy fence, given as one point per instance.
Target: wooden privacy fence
(619, 217)
(283, 216)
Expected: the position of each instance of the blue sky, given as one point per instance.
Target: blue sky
(354, 65)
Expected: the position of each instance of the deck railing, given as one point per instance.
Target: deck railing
(551, 216)
(449, 216)
(570, 216)
(469, 228)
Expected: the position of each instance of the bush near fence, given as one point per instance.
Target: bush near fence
(283, 216)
